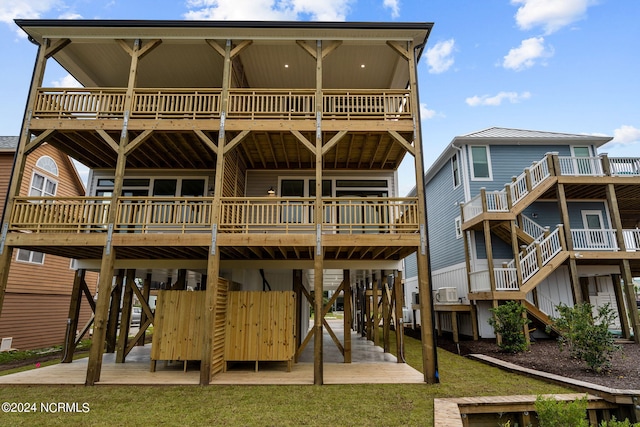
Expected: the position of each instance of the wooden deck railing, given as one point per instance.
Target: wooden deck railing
(163, 214)
(266, 214)
(371, 215)
(195, 214)
(60, 214)
(204, 103)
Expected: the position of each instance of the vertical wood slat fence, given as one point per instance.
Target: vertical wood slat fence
(260, 327)
(60, 214)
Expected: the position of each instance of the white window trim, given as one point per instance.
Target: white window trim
(458, 226)
(588, 147)
(44, 184)
(489, 166)
(30, 257)
(453, 170)
(592, 212)
(44, 158)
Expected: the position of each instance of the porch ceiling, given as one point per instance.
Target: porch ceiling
(184, 59)
(259, 150)
(626, 194)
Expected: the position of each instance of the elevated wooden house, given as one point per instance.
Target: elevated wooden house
(230, 157)
(39, 287)
(532, 216)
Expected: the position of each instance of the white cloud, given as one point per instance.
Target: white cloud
(526, 54)
(264, 10)
(32, 9)
(440, 56)
(394, 5)
(512, 97)
(426, 113)
(551, 15)
(626, 135)
(70, 15)
(66, 81)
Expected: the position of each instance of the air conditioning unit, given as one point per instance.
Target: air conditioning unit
(407, 315)
(447, 295)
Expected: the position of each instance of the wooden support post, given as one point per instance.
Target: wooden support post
(474, 322)
(114, 313)
(146, 291)
(297, 288)
(489, 250)
(398, 296)
(346, 297)
(211, 296)
(318, 371)
(454, 325)
(495, 304)
(630, 294)
(515, 248)
(102, 311)
(375, 322)
(181, 282)
(74, 314)
(620, 304)
(525, 331)
(125, 320)
(386, 311)
(578, 298)
(5, 264)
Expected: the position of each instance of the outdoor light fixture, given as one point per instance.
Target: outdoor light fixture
(271, 192)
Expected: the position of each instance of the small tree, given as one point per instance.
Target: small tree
(587, 337)
(554, 413)
(509, 321)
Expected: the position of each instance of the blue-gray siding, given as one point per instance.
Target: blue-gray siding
(411, 266)
(511, 160)
(548, 213)
(442, 209)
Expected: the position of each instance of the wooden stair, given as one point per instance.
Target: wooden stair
(545, 271)
(541, 316)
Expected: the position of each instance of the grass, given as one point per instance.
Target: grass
(354, 405)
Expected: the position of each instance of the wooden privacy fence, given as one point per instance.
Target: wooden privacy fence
(260, 327)
(179, 326)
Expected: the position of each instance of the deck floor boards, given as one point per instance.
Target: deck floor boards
(370, 366)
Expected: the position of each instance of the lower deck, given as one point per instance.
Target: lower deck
(370, 365)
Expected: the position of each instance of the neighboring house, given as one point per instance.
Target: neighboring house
(39, 286)
(567, 214)
(231, 156)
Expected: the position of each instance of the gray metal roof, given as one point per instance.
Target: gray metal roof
(498, 133)
(9, 143)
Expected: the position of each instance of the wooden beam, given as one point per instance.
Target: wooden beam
(304, 141)
(146, 291)
(56, 47)
(216, 47)
(333, 141)
(114, 310)
(148, 47)
(406, 144)
(400, 49)
(329, 49)
(346, 298)
(399, 325)
(38, 141)
(235, 141)
(102, 310)
(137, 141)
(123, 44)
(240, 47)
(74, 314)
(125, 319)
(207, 141)
(303, 44)
(333, 336)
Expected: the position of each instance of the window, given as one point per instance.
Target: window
(48, 164)
(455, 170)
(458, 225)
(42, 186)
(480, 163)
(33, 257)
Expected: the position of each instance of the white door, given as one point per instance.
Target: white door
(593, 224)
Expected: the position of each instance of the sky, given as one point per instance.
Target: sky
(567, 66)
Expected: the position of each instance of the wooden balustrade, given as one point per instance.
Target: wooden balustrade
(237, 214)
(203, 103)
(60, 214)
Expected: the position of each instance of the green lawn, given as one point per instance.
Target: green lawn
(353, 405)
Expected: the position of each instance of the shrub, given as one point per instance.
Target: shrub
(587, 337)
(615, 423)
(554, 413)
(509, 321)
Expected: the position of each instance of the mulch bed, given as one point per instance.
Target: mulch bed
(545, 355)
